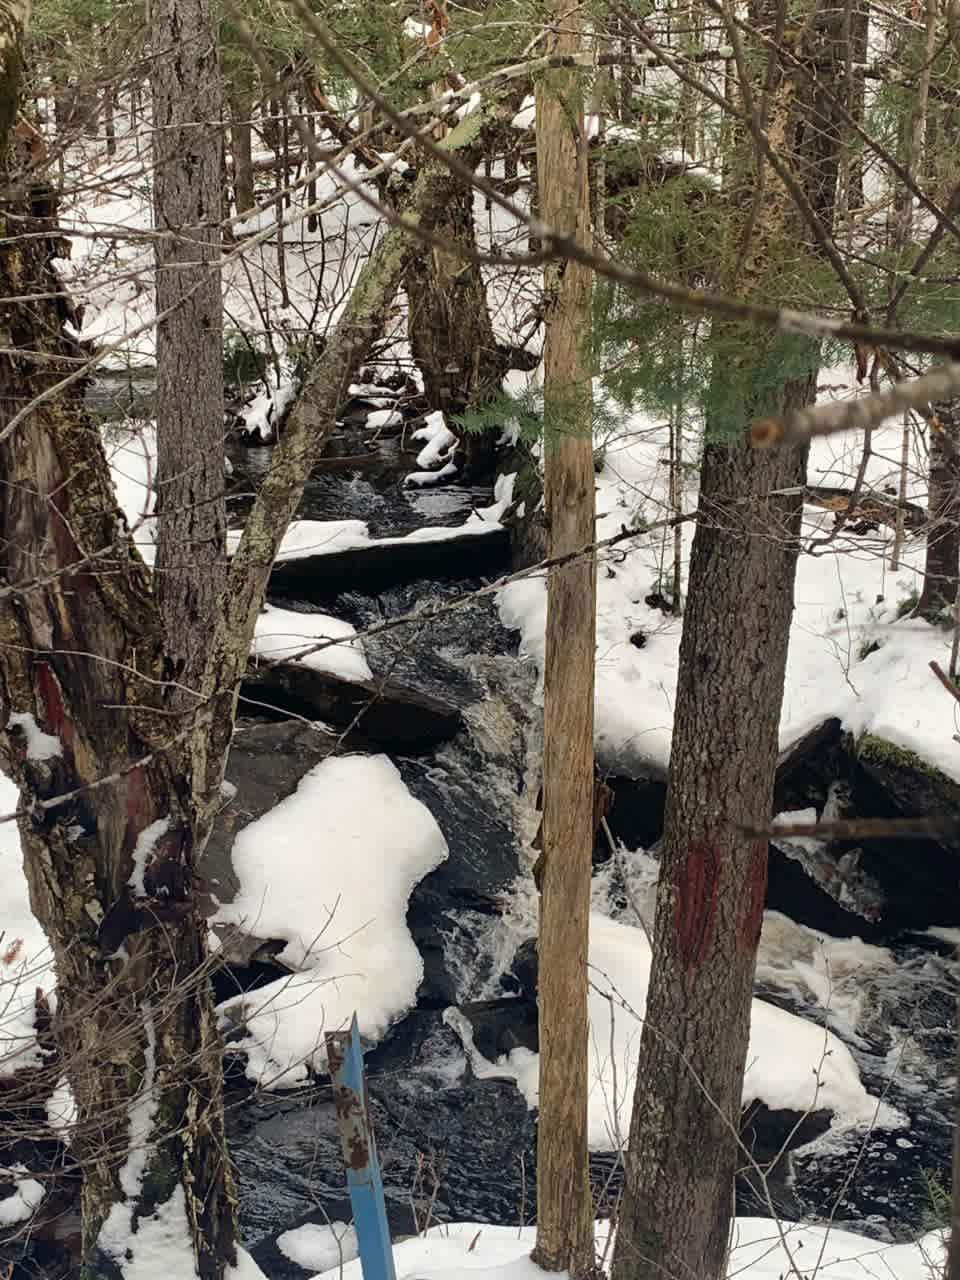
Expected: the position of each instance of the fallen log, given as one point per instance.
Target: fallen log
(873, 507)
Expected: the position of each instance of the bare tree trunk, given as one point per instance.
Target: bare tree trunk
(241, 146)
(682, 1158)
(191, 556)
(952, 1269)
(564, 1209)
(942, 564)
(680, 1166)
(451, 335)
(110, 865)
(109, 123)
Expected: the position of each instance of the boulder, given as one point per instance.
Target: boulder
(388, 715)
(389, 562)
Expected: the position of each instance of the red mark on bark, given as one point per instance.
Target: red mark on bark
(139, 807)
(54, 709)
(755, 895)
(695, 908)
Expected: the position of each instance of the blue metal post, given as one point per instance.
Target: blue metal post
(360, 1154)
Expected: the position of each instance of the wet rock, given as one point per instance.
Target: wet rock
(502, 1025)
(388, 715)
(380, 565)
(265, 765)
(919, 878)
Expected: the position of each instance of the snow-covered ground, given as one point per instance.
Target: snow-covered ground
(845, 603)
(760, 1250)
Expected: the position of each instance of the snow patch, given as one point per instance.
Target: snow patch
(143, 852)
(316, 1247)
(26, 1197)
(791, 1063)
(329, 871)
(283, 633)
(40, 745)
(760, 1250)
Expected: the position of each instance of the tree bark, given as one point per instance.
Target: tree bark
(241, 147)
(564, 1209)
(680, 1166)
(451, 334)
(942, 564)
(82, 657)
(679, 1170)
(191, 556)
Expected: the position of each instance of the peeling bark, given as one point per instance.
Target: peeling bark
(564, 1209)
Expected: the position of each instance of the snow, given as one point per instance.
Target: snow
(131, 449)
(260, 414)
(61, 1108)
(323, 537)
(440, 441)
(24, 1201)
(891, 693)
(143, 853)
(283, 634)
(329, 871)
(40, 745)
(760, 1250)
(381, 418)
(502, 499)
(792, 1064)
(161, 1245)
(115, 1233)
(25, 959)
(317, 1247)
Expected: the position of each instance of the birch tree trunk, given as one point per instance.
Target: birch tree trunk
(564, 1210)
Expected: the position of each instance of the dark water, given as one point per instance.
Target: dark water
(454, 1147)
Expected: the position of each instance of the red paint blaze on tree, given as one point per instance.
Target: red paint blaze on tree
(695, 907)
(755, 894)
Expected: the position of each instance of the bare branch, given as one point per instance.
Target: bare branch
(867, 411)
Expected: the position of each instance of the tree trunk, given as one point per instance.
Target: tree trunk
(118, 800)
(952, 1269)
(241, 146)
(191, 556)
(109, 866)
(682, 1157)
(680, 1167)
(564, 1209)
(942, 564)
(451, 335)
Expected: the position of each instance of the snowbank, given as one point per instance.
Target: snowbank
(792, 1064)
(329, 871)
(760, 1251)
(846, 601)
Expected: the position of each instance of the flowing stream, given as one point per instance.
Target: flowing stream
(455, 1146)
